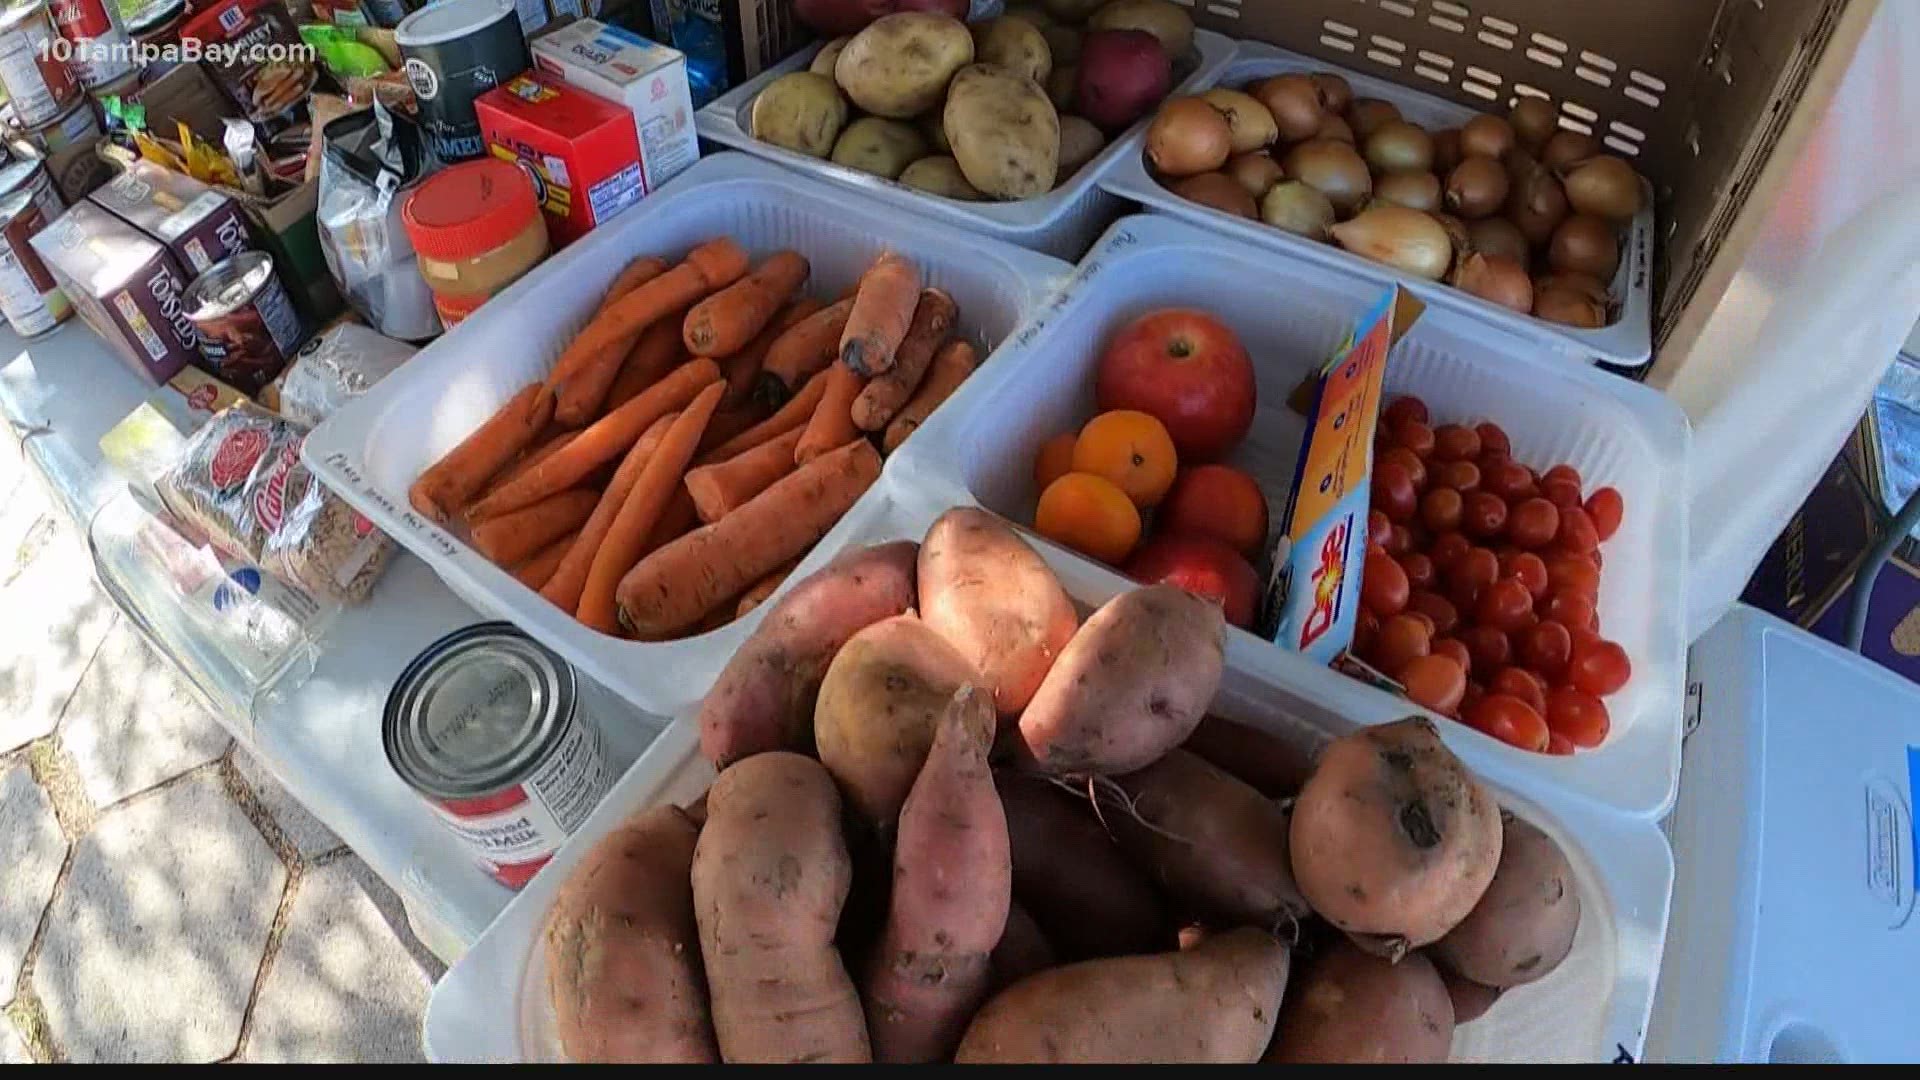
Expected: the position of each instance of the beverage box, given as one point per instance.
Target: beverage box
(623, 67)
(127, 287)
(198, 225)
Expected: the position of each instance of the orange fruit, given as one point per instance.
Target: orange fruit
(1089, 514)
(1133, 450)
(1054, 461)
(1218, 501)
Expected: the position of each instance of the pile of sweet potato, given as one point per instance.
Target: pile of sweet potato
(954, 823)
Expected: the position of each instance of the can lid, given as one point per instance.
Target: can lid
(18, 171)
(12, 203)
(469, 209)
(227, 284)
(447, 20)
(154, 14)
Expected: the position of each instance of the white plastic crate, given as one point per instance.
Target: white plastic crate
(1291, 315)
(1062, 222)
(372, 450)
(492, 1005)
(1626, 341)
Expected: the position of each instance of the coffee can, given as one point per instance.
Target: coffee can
(100, 50)
(78, 124)
(248, 328)
(29, 298)
(487, 726)
(453, 52)
(38, 84)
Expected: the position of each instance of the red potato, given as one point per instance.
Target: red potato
(1131, 685)
(952, 884)
(1215, 1003)
(1352, 1007)
(1274, 767)
(1068, 874)
(1524, 925)
(770, 874)
(764, 697)
(1022, 950)
(994, 599)
(623, 958)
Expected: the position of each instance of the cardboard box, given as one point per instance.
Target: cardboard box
(126, 286)
(582, 151)
(624, 68)
(756, 34)
(185, 94)
(198, 224)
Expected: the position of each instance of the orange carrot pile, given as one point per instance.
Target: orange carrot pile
(882, 310)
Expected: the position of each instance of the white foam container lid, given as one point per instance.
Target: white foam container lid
(1793, 910)
(1626, 341)
(1062, 222)
(492, 1004)
(371, 451)
(1291, 315)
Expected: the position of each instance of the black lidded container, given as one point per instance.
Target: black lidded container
(454, 51)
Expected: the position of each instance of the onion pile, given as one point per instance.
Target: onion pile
(1513, 209)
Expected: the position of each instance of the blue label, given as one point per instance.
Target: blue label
(1913, 814)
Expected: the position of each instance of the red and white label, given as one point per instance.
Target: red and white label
(270, 502)
(39, 84)
(516, 830)
(79, 20)
(234, 460)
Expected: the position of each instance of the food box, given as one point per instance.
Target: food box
(582, 151)
(373, 448)
(650, 80)
(251, 49)
(980, 448)
(492, 1004)
(199, 225)
(125, 285)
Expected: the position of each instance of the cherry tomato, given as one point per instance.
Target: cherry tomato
(1478, 567)
(1447, 549)
(1530, 569)
(1493, 439)
(1404, 407)
(1378, 526)
(1599, 668)
(1568, 608)
(1440, 509)
(1366, 628)
(1510, 720)
(1546, 647)
(1504, 605)
(1455, 649)
(1408, 460)
(1489, 648)
(1563, 472)
(1438, 610)
(1519, 683)
(1559, 745)
(1531, 524)
(1578, 716)
(1575, 573)
(1399, 541)
(1483, 514)
(1435, 682)
(1606, 508)
(1507, 479)
(1456, 442)
(1461, 476)
(1383, 585)
(1415, 435)
(1561, 492)
(1577, 532)
(1393, 493)
(1474, 693)
(1583, 638)
(1419, 569)
(1423, 619)
(1400, 639)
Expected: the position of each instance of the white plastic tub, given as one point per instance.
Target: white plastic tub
(1626, 341)
(492, 1004)
(1291, 314)
(1062, 222)
(372, 450)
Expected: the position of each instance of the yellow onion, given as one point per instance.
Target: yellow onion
(1249, 121)
(1297, 208)
(1603, 185)
(1572, 281)
(1218, 191)
(1497, 236)
(1256, 172)
(1446, 150)
(1498, 278)
(1457, 234)
(1188, 137)
(1537, 204)
(1367, 114)
(1567, 147)
(1335, 169)
(1337, 129)
(1585, 244)
(1335, 93)
(1533, 121)
(1486, 136)
(1294, 101)
(1397, 146)
(1413, 190)
(1477, 187)
(1569, 308)
(1407, 240)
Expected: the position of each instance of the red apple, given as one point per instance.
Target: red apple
(1187, 370)
(1204, 567)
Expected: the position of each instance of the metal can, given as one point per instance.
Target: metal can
(248, 328)
(29, 298)
(31, 175)
(79, 124)
(154, 27)
(122, 87)
(39, 85)
(453, 52)
(486, 725)
(100, 50)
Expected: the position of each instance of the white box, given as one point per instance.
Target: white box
(649, 79)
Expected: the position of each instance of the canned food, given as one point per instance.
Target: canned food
(486, 725)
(31, 175)
(37, 83)
(29, 299)
(248, 328)
(154, 26)
(99, 50)
(122, 87)
(79, 124)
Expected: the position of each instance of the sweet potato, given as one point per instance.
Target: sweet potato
(1350, 1006)
(1215, 844)
(1523, 926)
(769, 876)
(1023, 949)
(1275, 767)
(764, 697)
(882, 696)
(1215, 1003)
(993, 598)
(623, 960)
(1394, 841)
(1070, 876)
(952, 883)
(1470, 999)
(1131, 685)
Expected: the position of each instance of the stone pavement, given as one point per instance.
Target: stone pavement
(162, 898)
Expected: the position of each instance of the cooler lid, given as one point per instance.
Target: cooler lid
(1793, 936)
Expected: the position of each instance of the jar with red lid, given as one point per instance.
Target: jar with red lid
(476, 228)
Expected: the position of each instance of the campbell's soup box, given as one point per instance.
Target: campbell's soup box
(582, 152)
(627, 69)
(126, 286)
(199, 225)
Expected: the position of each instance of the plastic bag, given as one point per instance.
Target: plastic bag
(368, 159)
(334, 368)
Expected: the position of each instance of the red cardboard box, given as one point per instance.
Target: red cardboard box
(582, 152)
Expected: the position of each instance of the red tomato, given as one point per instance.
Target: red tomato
(1393, 492)
(1366, 629)
(1474, 693)
(1447, 549)
(1489, 647)
(1383, 585)
(1507, 479)
(1563, 472)
(1493, 438)
(1408, 460)
(1510, 720)
(1404, 407)
(1559, 745)
(1436, 608)
(1599, 667)
(1520, 683)
(1577, 532)
(1423, 619)
(1575, 573)
(1454, 649)
(1399, 541)
(1529, 568)
(1606, 508)
(1568, 608)
(1401, 638)
(1583, 638)
(1378, 526)
(1478, 567)
(1561, 492)
(1419, 569)
(1440, 509)
(1435, 682)
(1461, 476)
(1415, 435)
(1546, 647)
(1455, 442)
(1530, 524)
(1483, 514)
(1504, 605)
(1578, 715)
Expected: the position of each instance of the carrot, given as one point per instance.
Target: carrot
(534, 572)
(726, 321)
(720, 488)
(743, 367)
(794, 414)
(655, 352)
(637, 273)
(831, 424)
(951, 366)
(933, 319)
(671, 589)
(804, 350)
(882, 311)
(451, 482)
(728, 423)
(584, 390)
(608, 438)
(509, 538)
(563, 586)
(708, 268)
(546, 448)
(676, 521)
(626, 540)
(764, 588)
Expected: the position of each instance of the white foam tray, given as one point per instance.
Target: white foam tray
(1062, 222)
(492, 1004)
(371, 451)
(1291, 315)
(1626, 341)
